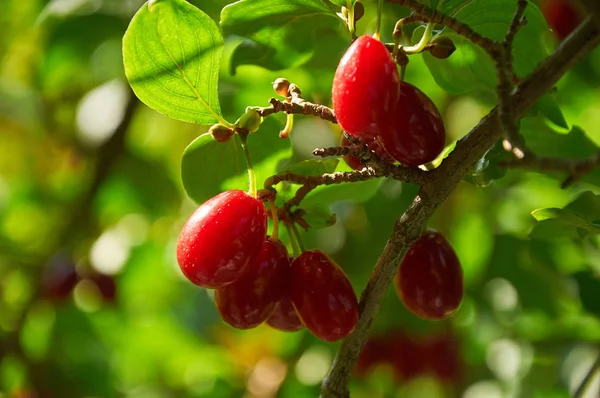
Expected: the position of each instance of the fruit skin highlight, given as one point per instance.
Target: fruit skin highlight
(251, 300)
(429, 280)
(221, 238)
(323, 296)
(365, 87)
(414, 132)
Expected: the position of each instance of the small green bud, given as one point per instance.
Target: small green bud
(281, 87)
(250, 120)
(441, 47)
(220, 133)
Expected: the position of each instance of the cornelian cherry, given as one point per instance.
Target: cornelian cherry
(413, 132)
(285, 318)
(429, 280)
(251, 300)
(221, 238)
(365, 86)
(562, 16)
(374, 145)
(323, 296)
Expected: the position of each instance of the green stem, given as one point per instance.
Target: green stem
(251, 176)
(296, 250)
(587, 380)
(420, 46)
(289, 124)
(379, 13)
(297, 236)
(351, 27)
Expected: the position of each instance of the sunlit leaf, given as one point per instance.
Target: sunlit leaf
(172, 52)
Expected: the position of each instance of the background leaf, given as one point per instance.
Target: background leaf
(279, 34)
(172, 52)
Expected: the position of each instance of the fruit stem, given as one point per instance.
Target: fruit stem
(297, 236)
(420, 46)
(289, 124)
(351, 28)
(294, 242)
(275, 234)
(379, 12)
(251, 176)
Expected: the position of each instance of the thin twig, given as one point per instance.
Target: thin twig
(587, 380)
(298, 106)
(575, 168)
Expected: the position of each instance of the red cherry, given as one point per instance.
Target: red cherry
(251, 299)
(374, 145)
(562, 16)
(429, 280)
(365, 86)
(406, 354)
(221, 238)
(353, 161)
(285, 317)
(323, 296)
(373, 353)
(414, 132)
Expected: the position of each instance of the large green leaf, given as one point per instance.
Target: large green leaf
(279, 34)
(172, 52)
(470, 69)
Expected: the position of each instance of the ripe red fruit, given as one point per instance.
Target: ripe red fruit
(414, 132)
(250, 300)
(373, 143)
(442, 353)
(365, 86)
(221, 238)
(323, 296)
(405, 353)
(562, 16)
(285, 317)
(429, 280)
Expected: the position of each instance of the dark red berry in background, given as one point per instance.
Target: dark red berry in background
(365, 86)
(414, 131)
(323, 296)
(285, 317)
(562, 16)
(221, 238)
(429, 280)
(250, 300)
(406, 354)
(106, 285)
(444, 361)
(59, 278)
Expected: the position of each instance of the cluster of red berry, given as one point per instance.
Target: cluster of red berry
(396, 120)
(436, 355)
(224, 246)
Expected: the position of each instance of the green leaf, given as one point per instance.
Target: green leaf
(470, 69)
(171, 52)
(313, 167)
(279, 34)
(589, 290)
(548, 107)
(574, 221)
(318, 215)
(209, 167)
(360, 191)
(341, 3)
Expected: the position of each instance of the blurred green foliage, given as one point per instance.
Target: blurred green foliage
(90, 180)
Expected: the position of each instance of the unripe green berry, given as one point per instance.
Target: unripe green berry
(220, 133)
(250, 120)
(441, 47)
(281, 87)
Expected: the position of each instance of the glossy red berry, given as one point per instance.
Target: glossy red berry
(365, 86)
(221, 238)
(429, 280)
(285, 317)
(414, 132)
(251, 299)
(562, 16)
(323, 296)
